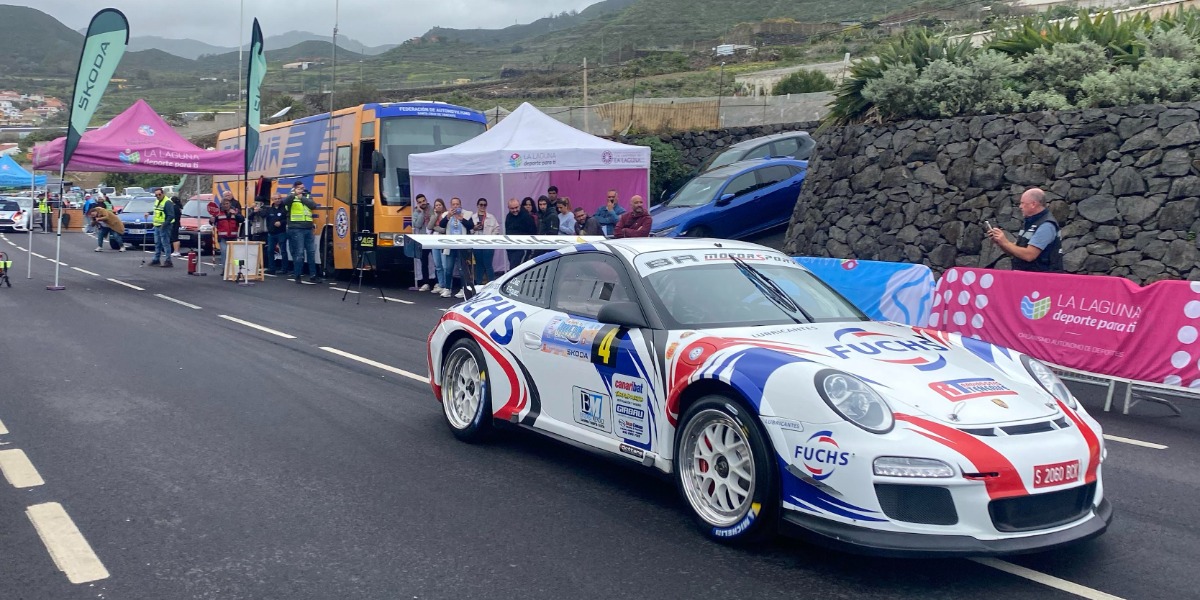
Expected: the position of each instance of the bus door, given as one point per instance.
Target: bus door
(364, 214)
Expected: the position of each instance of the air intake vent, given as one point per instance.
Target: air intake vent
(925, 504)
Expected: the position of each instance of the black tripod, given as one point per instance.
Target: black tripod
(365, 243)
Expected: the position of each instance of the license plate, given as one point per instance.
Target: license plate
(1055, 474)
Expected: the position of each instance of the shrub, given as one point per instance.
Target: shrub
(666, 166)
(1059, 68)
(803, 82)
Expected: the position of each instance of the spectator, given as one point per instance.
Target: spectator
(421, 220)
(108, 226)
(1038, 246)
(439, 256)
(456, 223)
(585, 225)
(528, 206)
(44, 211)
(636, 222)
(552, 195)
(277, 220)
(226, 224)
(485, 224)
(566, 220)
(87, 211)
(301, 244)
(228, 195)
(256, 222)
(105, 202)
(608, 214)
(518, 221)
(547, 217)
(164, 217)
(175, 225)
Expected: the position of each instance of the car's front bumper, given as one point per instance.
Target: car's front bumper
(858, 540)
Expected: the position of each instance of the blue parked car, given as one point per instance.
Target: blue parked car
(732, 202)
(138, 217)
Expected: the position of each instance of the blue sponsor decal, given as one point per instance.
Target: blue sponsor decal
(496, 315)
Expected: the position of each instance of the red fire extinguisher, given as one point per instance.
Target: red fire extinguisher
(193, 262)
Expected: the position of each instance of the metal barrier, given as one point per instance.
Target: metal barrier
(1134, 389)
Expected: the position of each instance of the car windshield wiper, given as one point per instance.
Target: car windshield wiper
(772, 291)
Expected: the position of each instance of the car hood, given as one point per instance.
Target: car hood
(134, 218)
(670, 216)
(945, 377)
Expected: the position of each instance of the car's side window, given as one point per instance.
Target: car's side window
(586, 282)
(786, 147)
(762, 151)
(532, 286)
(741, 184)
(773, 174)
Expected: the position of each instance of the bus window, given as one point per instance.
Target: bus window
(410, 135)
(341, 182)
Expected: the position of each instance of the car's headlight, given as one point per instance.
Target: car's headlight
(855, 401)
(903, 466)
(664, 232)
(1048, 380)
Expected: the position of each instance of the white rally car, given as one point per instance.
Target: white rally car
(774, 402)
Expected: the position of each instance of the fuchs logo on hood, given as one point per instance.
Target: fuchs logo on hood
(1034, 308)
(888, 348)
(957, 390)
(146, 130)
(821, 454)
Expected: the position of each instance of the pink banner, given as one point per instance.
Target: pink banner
(1105, 325)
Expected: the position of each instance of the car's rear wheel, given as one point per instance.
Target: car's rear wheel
(466, 396)
(725, 472)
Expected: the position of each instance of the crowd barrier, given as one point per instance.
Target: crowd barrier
(1094, 329)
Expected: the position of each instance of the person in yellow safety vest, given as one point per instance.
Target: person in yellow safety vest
(164, 216)
(301, 243)
(44, 210)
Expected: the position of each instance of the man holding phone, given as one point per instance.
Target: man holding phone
(1038, 246)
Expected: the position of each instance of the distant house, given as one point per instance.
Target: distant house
(301, 65)
(8, 149)
(54, 103)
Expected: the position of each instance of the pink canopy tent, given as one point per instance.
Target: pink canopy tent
(138, 141)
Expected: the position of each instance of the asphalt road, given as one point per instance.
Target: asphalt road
(199, 457)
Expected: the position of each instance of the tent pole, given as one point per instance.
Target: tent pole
(32, 205)
(62, 176)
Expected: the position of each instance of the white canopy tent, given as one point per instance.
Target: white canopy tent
(524, 154)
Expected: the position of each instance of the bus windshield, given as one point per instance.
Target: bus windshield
(410, 135)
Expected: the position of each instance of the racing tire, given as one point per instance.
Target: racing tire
(466, 395)
(726, 472)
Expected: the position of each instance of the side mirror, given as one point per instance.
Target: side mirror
(627, 314)
(725, 199)
(378, 164)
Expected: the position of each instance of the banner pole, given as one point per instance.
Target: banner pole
(32, 205)
(62, 184)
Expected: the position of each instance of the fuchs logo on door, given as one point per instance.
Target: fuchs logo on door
(957, 390)
(592, 409)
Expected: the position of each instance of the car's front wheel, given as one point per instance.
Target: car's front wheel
(466, 396)
(725, 472)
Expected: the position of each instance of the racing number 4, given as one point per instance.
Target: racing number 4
(604, 353)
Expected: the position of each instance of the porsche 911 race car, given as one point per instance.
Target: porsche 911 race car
(773, 402)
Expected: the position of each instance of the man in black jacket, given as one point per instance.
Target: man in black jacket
(518, 222)
(277, 237)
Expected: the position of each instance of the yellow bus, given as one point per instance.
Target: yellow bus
(356, 167)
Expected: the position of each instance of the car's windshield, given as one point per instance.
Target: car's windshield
(195, 208)
(720, 159)
(9, 205)
(697, 192)
(705, 288)
(139, 205)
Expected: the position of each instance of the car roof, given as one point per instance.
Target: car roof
(742, 166)
(758, 141)
(632, 247)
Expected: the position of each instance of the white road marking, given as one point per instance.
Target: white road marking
(377, 365)
(337, 289)
(67, 546)
(396, 300)
(20, 248)
(38, 255)
(18, 470)
(128, 285)
(1131, 441)
(258, 327)
(86, 271)
(180, 302)
(1047, 580)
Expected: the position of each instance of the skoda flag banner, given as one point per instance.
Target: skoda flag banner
(1105, 325)
(256, 70)
(107, 37)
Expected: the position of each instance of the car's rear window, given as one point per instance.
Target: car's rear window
(7, 205)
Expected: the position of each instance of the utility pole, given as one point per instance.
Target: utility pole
(586, 123)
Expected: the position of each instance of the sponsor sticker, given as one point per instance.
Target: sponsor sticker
(570, 337)
(631, 409)
(592, 409)
(782, 423)
(821, 455)
(741, 526)
(637, 453)
(957, 390)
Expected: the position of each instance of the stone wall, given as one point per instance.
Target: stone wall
(695, 146)
(1123, 182)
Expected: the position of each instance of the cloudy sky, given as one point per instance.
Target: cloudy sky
(372, 22)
